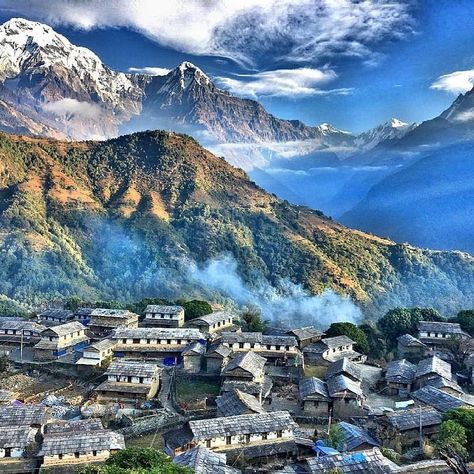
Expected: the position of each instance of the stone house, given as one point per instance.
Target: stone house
(237, 402)
(401, 429)
(331, 349)
(272, 347)
(217, 357)
(245, 366)
(52, 316)
(250, 436)
(345, 367)
(58, 341)
(70, 444)
(153, 343)
(399, 377)
(437, 334)
(354, 438)
(314, 396)
(431, 368)
(347, 397)
(83, 315)
(213, 322)
(445, 385)
(14, 331)
(104, 321)
(306, 335)
(193, 357)
(202, 460)
(97, 353)
(129, 381)
(411, 348)
(161, 316)
(15, 441)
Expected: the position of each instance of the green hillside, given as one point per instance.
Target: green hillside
(121, 219)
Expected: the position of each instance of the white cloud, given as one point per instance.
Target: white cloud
(244, 30)
(150, 71)
(282, 82)
(466, 116)
(456, 83)
(74, 108)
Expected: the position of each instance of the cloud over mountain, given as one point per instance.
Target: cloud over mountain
(301, 82)
(295, 30)
(456, 82)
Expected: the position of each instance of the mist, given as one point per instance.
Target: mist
(287, 305)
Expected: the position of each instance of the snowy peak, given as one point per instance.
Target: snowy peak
(188, 74)
(390, 130)
(328, 129)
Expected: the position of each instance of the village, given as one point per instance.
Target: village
(79, 385)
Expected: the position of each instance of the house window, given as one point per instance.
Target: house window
(264, 436)
(136, 341)
(241, 345)
(228, 440)
(94, 453)
(76, 455)
(279, 433)
(60, 456)
(124, 341)
(247, 438)
(208, 443)
(8, 452)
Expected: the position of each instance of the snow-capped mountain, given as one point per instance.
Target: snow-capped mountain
(390, 130)
(68, 89)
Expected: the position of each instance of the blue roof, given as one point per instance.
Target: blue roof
(355, 437)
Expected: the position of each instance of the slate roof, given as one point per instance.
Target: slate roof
(195, 348)
(14, 437)
(370, 461)
(219, 349)
(344, 365)
(440, 327)
(17, 324)
(341, 383)
(408, 340)
(62, 314)
(248, 361)
(438, 399)
(337, 341)
(305, 333)
(405, 420)
(434, 365)
(440, 382)
(158, 333)
(400, 371)
(354, 437)
(85, 442)
(313, 386)
(214, 318)
(132, 368)
(204, 461)
(258, 337)
(241, 424)
(83, 312)
(163, 309)
(68, 328)
(23, 415)
(74, 426)
(103, 345)
(237, 402)
(124, 387)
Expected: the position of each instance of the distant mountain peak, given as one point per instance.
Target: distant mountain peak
(327, 128)
(390, 130)
(188, 73)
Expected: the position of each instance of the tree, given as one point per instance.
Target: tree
(3, 363)
(376, 340)
(10, 307)
(352, 331)
(195, 308)
(73, 303)
(452, 435)
(399, 321)
(335, 437)
(460, 350)
(252, 319)
(136, 461)
(466, 320)
(465, 417)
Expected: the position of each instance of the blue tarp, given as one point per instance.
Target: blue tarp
(321, 449)
(170, 361)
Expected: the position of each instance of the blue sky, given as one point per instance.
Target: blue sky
(351, 63)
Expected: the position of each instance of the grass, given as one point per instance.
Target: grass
(318, 371)
(188, 391)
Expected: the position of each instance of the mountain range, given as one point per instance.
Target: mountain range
(128, 217)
